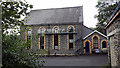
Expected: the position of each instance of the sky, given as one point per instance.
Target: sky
(89, 9)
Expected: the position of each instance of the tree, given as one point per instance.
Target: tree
(105, 10)
(14, 53)
(12, 12)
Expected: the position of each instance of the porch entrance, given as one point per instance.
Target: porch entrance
(87, 47)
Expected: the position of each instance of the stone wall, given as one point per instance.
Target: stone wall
(63, 39)
(113, 33)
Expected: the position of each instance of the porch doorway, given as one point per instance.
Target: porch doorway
(87, 47)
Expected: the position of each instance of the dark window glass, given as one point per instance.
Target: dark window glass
(70, 29)
(56, 41)
(29, 38)
(95, 42)
(56, 38)
(70, 38)
(70, 45)
(28, 41)
(42, 38)
(87, 46)
(41, 42)
(104, 44)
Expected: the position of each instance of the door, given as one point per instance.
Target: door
(87, 47)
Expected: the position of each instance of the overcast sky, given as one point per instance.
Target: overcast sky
(89, 9)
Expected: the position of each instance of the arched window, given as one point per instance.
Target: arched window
(42, 38)
(29, 33)
(70, 37)
(104, 44)
(95, 42)
(55, 38)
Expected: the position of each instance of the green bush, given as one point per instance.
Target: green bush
(15, 54)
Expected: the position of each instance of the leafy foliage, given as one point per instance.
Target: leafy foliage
(14, 52)
(105, 10)
(12, 12)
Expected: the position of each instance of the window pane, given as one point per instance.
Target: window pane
(70, 45)
(28, 41)
(70, 36)
(29, 32)
(42, 30)
(56, 30)
(41, 47)
(95, 42)
(70, 29)
(104, 44)
(56, 46)
(70, 40)
(41, 42)
(56, 41)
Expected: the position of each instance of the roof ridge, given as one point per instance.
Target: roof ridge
(57, 8)
(94, 32)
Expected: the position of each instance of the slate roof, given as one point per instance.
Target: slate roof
(116, 10)
(56, 16)
(95, 31)
(86, 31)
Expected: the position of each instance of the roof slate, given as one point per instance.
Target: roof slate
(56, 16)
(95, 31)
(86, 31)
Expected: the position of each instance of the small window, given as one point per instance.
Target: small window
(29, 32)
(55, 30)
(42, 30)
(70, 29)
(104, 44)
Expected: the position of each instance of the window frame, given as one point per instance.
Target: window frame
(42, 30)
(68, 37)
(53, 37)
(29, 35)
